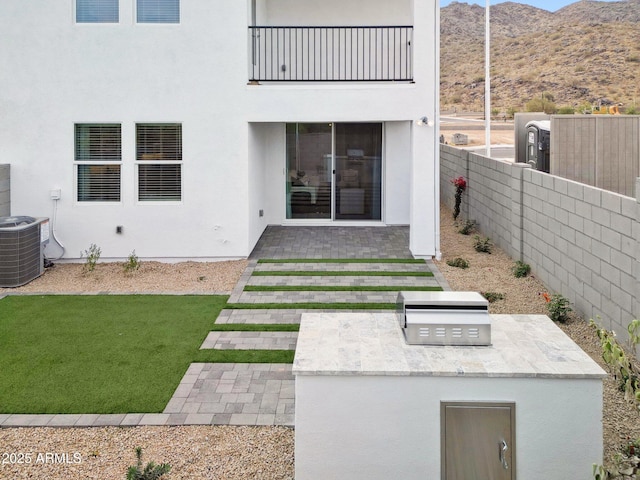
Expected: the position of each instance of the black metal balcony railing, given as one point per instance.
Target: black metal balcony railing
(331, 54)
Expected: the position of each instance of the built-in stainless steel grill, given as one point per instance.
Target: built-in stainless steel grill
(444, 318)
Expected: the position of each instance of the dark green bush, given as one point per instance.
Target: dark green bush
(559, 308)
(492, 296)
(150, 472)
(458, 262)
(468, 227)
(521, 269)
(482, 245)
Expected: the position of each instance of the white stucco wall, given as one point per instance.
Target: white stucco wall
(193, 73)
(356, 12)
(63, 73)
(397, 172)
(385, 427)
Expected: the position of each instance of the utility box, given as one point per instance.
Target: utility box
(460, 139)
(478, 440)
(539, 144)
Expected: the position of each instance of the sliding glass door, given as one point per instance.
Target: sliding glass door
(309, 170)
(334, 171)
(358, 166)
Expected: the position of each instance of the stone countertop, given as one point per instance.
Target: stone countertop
(523, 346)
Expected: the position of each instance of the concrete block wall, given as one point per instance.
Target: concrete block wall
(581, 241)
(490, 200)
(5, 190)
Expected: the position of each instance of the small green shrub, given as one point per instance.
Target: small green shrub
(559, 308)
(634, 337)
(599, 472)
(632, 448)
(482, 245)
(132, 264)
(541, 104)
(626, 462)
(566, 110)
(461, 185)
(458, 262)
(91, 256)
(520, 269)
(468, 227)
(492, 296)
(150, 472)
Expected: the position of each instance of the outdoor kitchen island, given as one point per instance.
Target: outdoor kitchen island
(371, 406)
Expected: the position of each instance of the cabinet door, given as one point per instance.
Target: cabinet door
(478, 441)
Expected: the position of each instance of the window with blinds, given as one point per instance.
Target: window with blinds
(98, 155)
(158, 11)
(97, 11)
(159, 162)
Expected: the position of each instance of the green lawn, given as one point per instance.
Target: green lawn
(99, 353)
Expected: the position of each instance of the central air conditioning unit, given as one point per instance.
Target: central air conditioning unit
(22, 241)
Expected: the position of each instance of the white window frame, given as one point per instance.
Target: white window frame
(85, 157)
(154, 157)
(155, 14)
(97, 4)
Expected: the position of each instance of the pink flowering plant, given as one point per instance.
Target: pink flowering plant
(461, 185)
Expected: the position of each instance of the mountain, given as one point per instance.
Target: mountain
(585, 53)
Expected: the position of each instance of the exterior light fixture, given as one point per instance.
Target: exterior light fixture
(424, 121)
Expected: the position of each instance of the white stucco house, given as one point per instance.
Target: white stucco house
(182, 128)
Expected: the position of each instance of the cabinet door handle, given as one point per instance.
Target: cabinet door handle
(503, 447)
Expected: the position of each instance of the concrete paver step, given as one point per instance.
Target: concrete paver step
(317, 297)
(343, 267)
(250, 340)
(344, 281)
(270, 316)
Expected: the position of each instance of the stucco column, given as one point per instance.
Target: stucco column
(424, 237)
(424, 234)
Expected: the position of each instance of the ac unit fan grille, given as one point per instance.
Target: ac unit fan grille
(20, 255)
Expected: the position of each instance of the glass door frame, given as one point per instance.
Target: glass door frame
(333, 195)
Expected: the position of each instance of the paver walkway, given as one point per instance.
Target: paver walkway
(235, 394)
(200, 395)
(263, 394)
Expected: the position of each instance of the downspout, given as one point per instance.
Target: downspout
(436, 138)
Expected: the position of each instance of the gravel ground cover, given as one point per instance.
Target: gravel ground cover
(218, 452)
(151, 277)
(194, 452)
(492, 273)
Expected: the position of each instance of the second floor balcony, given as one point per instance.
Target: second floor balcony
(331, 54)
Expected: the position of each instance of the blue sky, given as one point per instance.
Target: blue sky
(550, 5)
